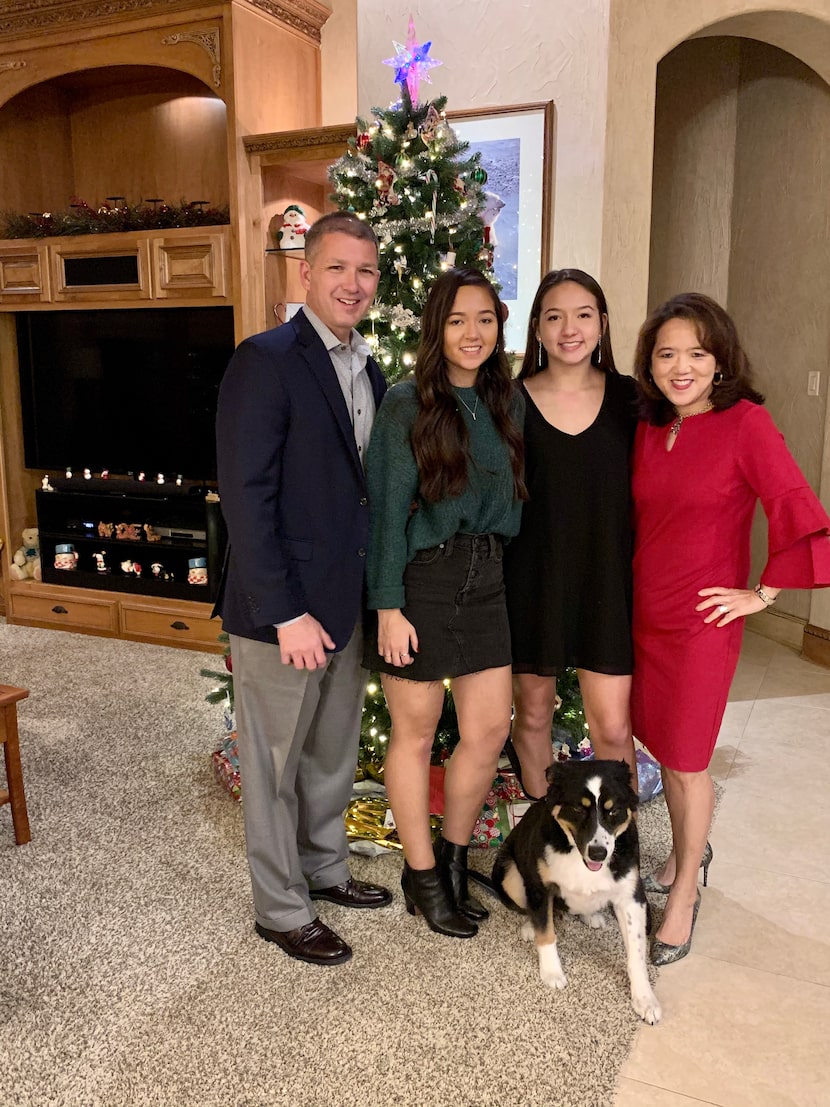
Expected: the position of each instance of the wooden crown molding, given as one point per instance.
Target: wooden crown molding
(28, 18)
(304, 139)
(304, 16)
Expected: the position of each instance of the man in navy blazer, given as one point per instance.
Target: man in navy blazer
(295, 411)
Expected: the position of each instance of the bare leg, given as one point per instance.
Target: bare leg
(691, 801)
(482, 702)
(415, 708)
(605, 699)
(534, 699)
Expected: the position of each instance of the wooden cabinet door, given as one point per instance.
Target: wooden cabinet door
(24, 273)
(191, 265)
(107, 268)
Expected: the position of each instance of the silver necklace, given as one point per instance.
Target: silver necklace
(472, 410)
(674, 429)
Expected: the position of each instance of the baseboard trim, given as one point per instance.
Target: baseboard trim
(780, 627)
(816, 647)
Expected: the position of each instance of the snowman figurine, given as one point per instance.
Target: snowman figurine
(291, 236)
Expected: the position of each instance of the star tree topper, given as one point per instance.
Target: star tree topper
(412, 62)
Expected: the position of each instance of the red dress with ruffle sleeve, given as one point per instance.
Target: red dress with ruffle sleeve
(693, 509)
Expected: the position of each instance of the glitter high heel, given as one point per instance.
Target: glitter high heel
(664, 954)
(652, 885)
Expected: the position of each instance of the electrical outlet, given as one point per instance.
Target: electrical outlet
(813, 383)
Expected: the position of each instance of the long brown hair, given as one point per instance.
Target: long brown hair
(440, 440)
(536, 356)
(716, 334)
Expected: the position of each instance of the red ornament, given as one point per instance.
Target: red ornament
(363, 140)
(229, 662)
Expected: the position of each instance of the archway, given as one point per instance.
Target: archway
(136, 131)
(739, 201)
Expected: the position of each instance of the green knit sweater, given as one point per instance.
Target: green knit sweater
(487, 505)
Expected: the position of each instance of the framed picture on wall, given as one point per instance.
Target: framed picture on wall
(516, 148)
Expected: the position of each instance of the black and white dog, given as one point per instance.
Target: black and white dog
(578, 848)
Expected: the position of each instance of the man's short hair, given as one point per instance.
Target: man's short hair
(338, 222)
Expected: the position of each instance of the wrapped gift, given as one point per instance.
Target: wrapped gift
(226, 765)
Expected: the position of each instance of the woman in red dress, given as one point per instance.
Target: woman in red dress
(706, 453)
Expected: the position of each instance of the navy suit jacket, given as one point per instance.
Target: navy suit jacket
(292, 487)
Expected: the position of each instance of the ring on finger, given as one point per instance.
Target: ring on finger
(723, 609)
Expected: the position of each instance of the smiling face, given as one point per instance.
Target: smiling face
(570, 325)
(340, 279)
(470, 334)
(681, 368)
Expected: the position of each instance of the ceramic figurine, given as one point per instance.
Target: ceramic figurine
(197, 570)
(291, 236)
(100, 560)
(65, 556)
(46, 485)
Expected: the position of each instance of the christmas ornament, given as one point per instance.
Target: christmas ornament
(363, 139)
(412, 62)
(459, 186)
(429, 128)
(479, 175)
(386, 184)
(400, 266)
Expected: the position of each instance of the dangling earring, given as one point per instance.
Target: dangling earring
(539, 352)
(718, 377)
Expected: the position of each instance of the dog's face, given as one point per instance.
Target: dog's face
(593, 802)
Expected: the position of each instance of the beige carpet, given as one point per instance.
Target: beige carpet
(129, 971)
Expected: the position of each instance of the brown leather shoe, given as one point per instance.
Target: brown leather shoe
(313, 942)
(354, 893)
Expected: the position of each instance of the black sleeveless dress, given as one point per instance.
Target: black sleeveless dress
(568, 573)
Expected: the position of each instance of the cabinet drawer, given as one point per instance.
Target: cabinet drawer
(177, 628)
(24, 274)
(100, 616)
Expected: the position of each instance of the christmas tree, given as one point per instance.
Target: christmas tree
(407, 175)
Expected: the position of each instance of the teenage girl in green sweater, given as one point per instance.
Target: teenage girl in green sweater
(444, 470)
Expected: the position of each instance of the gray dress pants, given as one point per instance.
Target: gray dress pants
(298, 734)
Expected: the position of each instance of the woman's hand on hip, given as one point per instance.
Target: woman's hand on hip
(724, 605)
(397, 637)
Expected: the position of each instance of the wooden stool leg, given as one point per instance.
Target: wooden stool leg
(14, 777)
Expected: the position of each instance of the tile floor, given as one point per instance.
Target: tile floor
(746, 1014)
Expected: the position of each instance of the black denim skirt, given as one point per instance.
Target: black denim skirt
(455, 600)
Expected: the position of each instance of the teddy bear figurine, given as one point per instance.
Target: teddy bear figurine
(26, 560)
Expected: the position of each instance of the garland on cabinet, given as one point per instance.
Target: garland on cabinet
(112, 216)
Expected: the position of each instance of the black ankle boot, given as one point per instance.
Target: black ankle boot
(424, 893)
(452, 868)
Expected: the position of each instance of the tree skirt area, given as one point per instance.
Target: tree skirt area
(130, 971)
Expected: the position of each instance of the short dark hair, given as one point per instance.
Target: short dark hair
(338, 222)
(535, 351)
(716, 333)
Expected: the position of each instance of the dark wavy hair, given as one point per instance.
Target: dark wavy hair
(716, 334)
(533, 347)
(440, 440)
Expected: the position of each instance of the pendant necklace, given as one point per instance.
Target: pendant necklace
(472, 410)
(674, 429)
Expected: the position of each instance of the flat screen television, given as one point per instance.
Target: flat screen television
(123, 389)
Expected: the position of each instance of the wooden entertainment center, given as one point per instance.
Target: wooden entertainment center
(147, 100)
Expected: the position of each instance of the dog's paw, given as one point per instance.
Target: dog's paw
(554, 978)
(526, 931)
(647, 1007)
(596, 921)
(550, 967)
